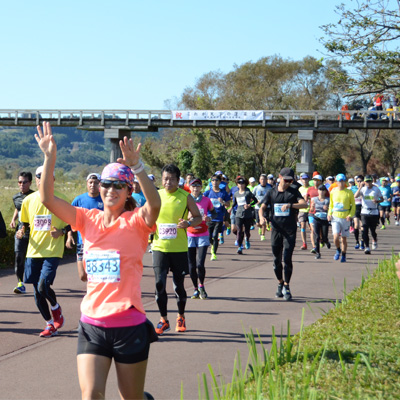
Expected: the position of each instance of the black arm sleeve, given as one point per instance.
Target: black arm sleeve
(3, 229)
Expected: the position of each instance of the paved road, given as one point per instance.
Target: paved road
(241, 295)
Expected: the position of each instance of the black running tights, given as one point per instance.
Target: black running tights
(196, 264)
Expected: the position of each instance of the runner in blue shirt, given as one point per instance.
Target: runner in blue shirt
(89, 200)
(137, 194)
(220, 200)
(396, 200)
(384, 207)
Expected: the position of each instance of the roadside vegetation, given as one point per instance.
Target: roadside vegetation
(352, 352)
(70, 189)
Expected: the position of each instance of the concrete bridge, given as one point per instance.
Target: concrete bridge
(119, 123)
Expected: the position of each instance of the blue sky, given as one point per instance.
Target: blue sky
(137, 54)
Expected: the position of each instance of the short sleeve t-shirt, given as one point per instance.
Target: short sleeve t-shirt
(88, 202)
(260, 192)
(241, 199)
(113, 261)
(283, 221)
(139, 199)
(41, 221)
(386, 193)
(321, 208)
(369, 207)
(17, 200)
(396, 194)
(204, 206)
(219, 208)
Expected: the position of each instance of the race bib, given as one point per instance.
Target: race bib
(103, 266)
(216, 203)
(241, 201)
(167, 231)
(42, 222)
(278, 210)
(338, 207)
(321, 215)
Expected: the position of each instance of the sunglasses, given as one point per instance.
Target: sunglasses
(117, 185)
(214, 180)
(22, 182)
(288, 180)
(38, 176)
(241, 182)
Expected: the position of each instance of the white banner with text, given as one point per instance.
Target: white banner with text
(214, 115)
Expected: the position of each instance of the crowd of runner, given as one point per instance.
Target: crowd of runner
(123, 213)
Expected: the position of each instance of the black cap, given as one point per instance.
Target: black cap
(195, 181)
(368, 178)
(287, 173)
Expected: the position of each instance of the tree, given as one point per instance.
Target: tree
(268, 84)
(365, 144)
(389, 151)
(185, 158)
(365, 39)
(203, 161)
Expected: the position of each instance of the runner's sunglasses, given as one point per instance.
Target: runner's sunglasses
(117, 185)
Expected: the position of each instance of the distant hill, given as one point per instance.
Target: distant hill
(79, 151)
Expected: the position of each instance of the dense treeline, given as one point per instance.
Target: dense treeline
(79, 151)
(267, 84)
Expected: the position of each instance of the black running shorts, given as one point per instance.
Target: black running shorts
(127, 345)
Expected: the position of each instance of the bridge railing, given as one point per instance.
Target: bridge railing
(148, 117)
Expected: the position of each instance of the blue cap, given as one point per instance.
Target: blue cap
(340, 178)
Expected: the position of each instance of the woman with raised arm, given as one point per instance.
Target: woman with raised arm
(113, 323)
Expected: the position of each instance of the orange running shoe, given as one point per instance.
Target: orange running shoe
(49, 331)
(180, 324)
(162, 326)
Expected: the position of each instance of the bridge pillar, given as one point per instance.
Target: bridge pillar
(115, 135)
(306, 164)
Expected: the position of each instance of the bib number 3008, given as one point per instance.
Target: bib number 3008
(42, 222)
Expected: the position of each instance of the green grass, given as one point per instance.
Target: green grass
(352, 352)
(70, 189)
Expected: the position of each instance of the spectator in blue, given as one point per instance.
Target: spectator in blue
(89, 200)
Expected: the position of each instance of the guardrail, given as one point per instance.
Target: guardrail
(328, 121)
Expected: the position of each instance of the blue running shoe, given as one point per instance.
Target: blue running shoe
(343, 259)
(221, 239)
(228, 231)
(337, 255)
(20, 289)
(247, 244)
(236, 243)
(252, 228)
(357, 246)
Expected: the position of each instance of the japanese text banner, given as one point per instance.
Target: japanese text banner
(225, 115)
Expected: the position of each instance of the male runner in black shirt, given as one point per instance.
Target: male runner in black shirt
(21, 245)
(284, 201)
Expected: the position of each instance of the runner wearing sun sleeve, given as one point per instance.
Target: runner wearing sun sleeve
(113, 324)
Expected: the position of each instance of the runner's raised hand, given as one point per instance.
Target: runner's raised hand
(130, 156)
(45, 139)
